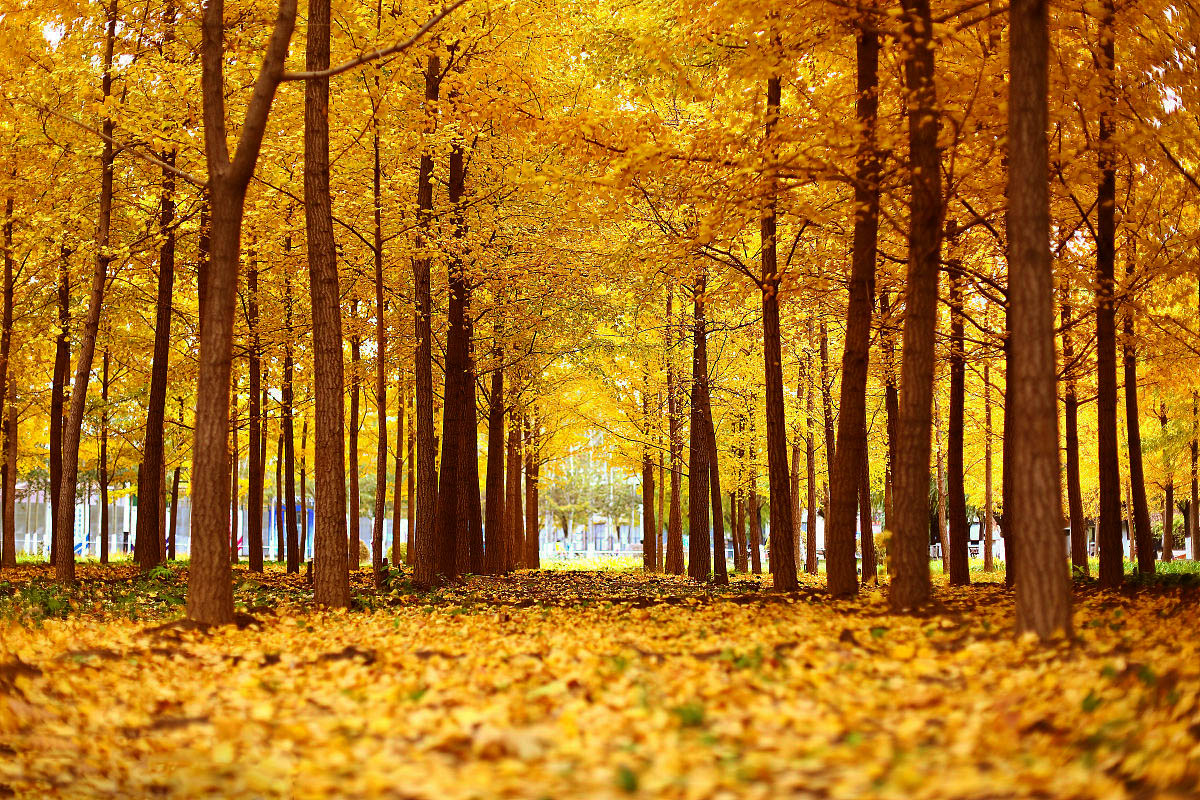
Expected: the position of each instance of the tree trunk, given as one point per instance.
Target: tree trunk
(1133, 429)
(354, 493)
(64, 567)
(910, 540)
(810, 464)
(674, 555)
(1079, 559)
(398, 484)
(532, 526)
(495, 551)
(175, 516)
(1168, 538)
(515, 521)
(1193, 525)
(424, 553)
(870, 566)
(411, 479)
(782, 557)
(58, 390)
(891, 402)
(1043, 596)
(699, 555)
(649, 559)
(280, 502)
(102, 466)
(234, 481)
(1108, 533)
(989, 517)
(849, 458)
(258, 432)
(8, 394)
(720, 568)
(302, 490)
(289, 442)
(959, 533)
(940, 475)
(455, 416)
(827, 409)
(380, 365)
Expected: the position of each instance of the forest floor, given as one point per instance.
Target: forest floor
(563, 684)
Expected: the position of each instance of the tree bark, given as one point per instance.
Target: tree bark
(175, 516)
(910, 584)
(354, 493)
(380, 363)
(411, 479)
(870, 565)
(424, 555)
(782, 557)
(1193, 527)
(1108, 534)
(810, 463)
(64, 567)
(959, 533)
(258, 431)
(58, 390)
(515, 519)
(1043, 596)
(940, 476)
(699, 554)
(673, 561)
(397, 483)
(989, 517)
(752, 502)
(1079, 559)
(1133, 430)
(289, 439)
(532, 464)
(649, 559)
(234, 484)
(8, 395)
(1168, 538)
(496, 542)
(210, 589)
(849, 457)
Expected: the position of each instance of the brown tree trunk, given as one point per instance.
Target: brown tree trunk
(673, 563)
(1133, 430)
(753, 511)
(1168, 539)
(398, 482)
(422, 544)
(258, 431)
(1193, 526)
(354, 493)
(1108, 532)
(289, 442)
(827, 409)
(210, 589)
(515, 521)
(1043, 596)
(989, 517)
(699, 555)
(380, 364)
(302, 490)
(64, 567)
(410, 487)
(175, 516)
(280, 502)
(659, 544)
(533, 559)
(456, 416)
(940, 475)
(891, 402)
(720, 568)
(58, 390)
(234, 481)
(496, 542)
(849, 458)
(870, 565)
(810, 464)
(782, 557)
(1079, 559)
(910, 540)
(331, 579)
(649, 558)
(959, 533)
(8, 394)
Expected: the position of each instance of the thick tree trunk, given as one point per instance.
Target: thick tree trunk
(910, 540)
(849, 457)
(258, 431)
(456, 416)
(959, 533)
(673, 563)
(1043, 596)
(1079, 558)
(1108, 533)
(424, 549)
(496, 543)
(699, 554)
(331, 579)
(64, 567)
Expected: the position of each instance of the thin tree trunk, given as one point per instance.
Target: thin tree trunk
(496, 543)
(411, 479)
(752, 506)
(827, 409)
(515, 521)
(398, 481)
(1168, 538)
(1133, 430)
(58, 390)
(891, 403)
(1043, 597)
(380, 360)
(532, 526)
(810, 464)
(8, 548)
(280, 512)
(64, 567)
(1108, 534)
(175, 516)
(354, 493)
(870, 566)
(989, 517)
(943, 533)
(234, 482)
(649, 558)
(8, 394)
(289, 441)
(674, 556)
(1079, 558)
(909, 568)
(424, 553)
(302, 490)
(258, 431)
(662, 495)
(1193, 526)
(959, 533)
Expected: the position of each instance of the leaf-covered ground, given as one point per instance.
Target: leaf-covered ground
(588, 684)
